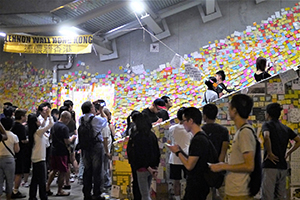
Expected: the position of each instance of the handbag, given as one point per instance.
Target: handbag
(10, 151)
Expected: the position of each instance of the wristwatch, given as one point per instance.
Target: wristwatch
(177, 153)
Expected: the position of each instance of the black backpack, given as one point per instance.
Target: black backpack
(256, 174)
(86, 134)
(213, 179)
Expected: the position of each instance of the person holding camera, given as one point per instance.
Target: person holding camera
(262, 72)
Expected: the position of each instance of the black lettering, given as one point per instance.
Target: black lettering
(35, 39)
(54, 40)
(28, 39)
(10, 39)
(90, 39)
(85, 39)
(48, 40)
(80, 40)
(14, 38)
(59, 40)
(18, 38)
(75, 40)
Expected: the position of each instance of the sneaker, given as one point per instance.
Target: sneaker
(72, 180)
(49, 193)
(18, 195)
(26, 184)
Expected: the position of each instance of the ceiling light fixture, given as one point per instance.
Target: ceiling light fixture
(138, 7)
(67, 32)
(2, 34)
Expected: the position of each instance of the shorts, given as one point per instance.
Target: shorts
(175, 172)
(59, 163)
(19, 165)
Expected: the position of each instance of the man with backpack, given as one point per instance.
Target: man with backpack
(219, 136)
(91, 145)
(242, 158)
(196, 162)
(276, 138)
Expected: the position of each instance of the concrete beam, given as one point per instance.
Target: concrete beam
(207, 18)
(210, 6)
(172, 10)
(111, 56)
(259, 1)
(162, 35)
(151, 24)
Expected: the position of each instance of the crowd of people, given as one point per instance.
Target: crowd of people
(48, 143)
(189, 143)
(52, 143)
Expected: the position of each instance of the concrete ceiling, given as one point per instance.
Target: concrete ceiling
(105, 19)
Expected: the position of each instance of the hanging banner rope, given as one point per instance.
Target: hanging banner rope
(48, 45)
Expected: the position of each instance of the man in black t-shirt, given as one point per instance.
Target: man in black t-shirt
(59, 160)
(163, 113)
(196, 161)
(276, 138)
(19, 130)
(218, 134)
(220, 76)
(151, 112)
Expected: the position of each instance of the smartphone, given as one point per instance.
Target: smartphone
(103, 104)
(167, 144)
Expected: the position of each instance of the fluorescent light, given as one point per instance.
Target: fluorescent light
(2, 34)
(137, 7)
(67, 31)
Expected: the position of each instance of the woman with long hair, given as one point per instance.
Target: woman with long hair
(146, 153)
(38, 142)
(262, 69)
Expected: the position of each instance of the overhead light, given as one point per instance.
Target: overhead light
(138, 7)
(2, 34)
(67, 31)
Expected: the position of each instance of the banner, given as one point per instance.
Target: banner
(48, 45)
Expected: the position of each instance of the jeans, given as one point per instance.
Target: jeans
(135, 186)
(81, 168)
(106, 172)
(273, 184)
(92, 161)
(144, 181)
(7, 169)
(39, 173)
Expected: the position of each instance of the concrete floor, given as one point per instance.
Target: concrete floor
(75, 192)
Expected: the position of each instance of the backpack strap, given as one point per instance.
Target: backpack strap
(90, 121)
(10, 151)
(205, 97)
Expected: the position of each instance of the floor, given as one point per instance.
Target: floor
(75, 192)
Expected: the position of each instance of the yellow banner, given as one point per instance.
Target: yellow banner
(48, 45)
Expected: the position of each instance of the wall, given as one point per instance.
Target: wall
(275, 38)
(188, 34)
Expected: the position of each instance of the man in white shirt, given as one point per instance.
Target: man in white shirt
(241, 160)
(178, 135)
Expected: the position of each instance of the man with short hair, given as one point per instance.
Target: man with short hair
(178, 135)
(59, 159)
(19, 130)
(5, 105)
(151, 112)
(93, 158)
(196, 161)
(218, 135)
(241, 160)
(163, 113)
(276, 138)
(42, 111)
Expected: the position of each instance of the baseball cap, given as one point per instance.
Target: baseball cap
(160, 103)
